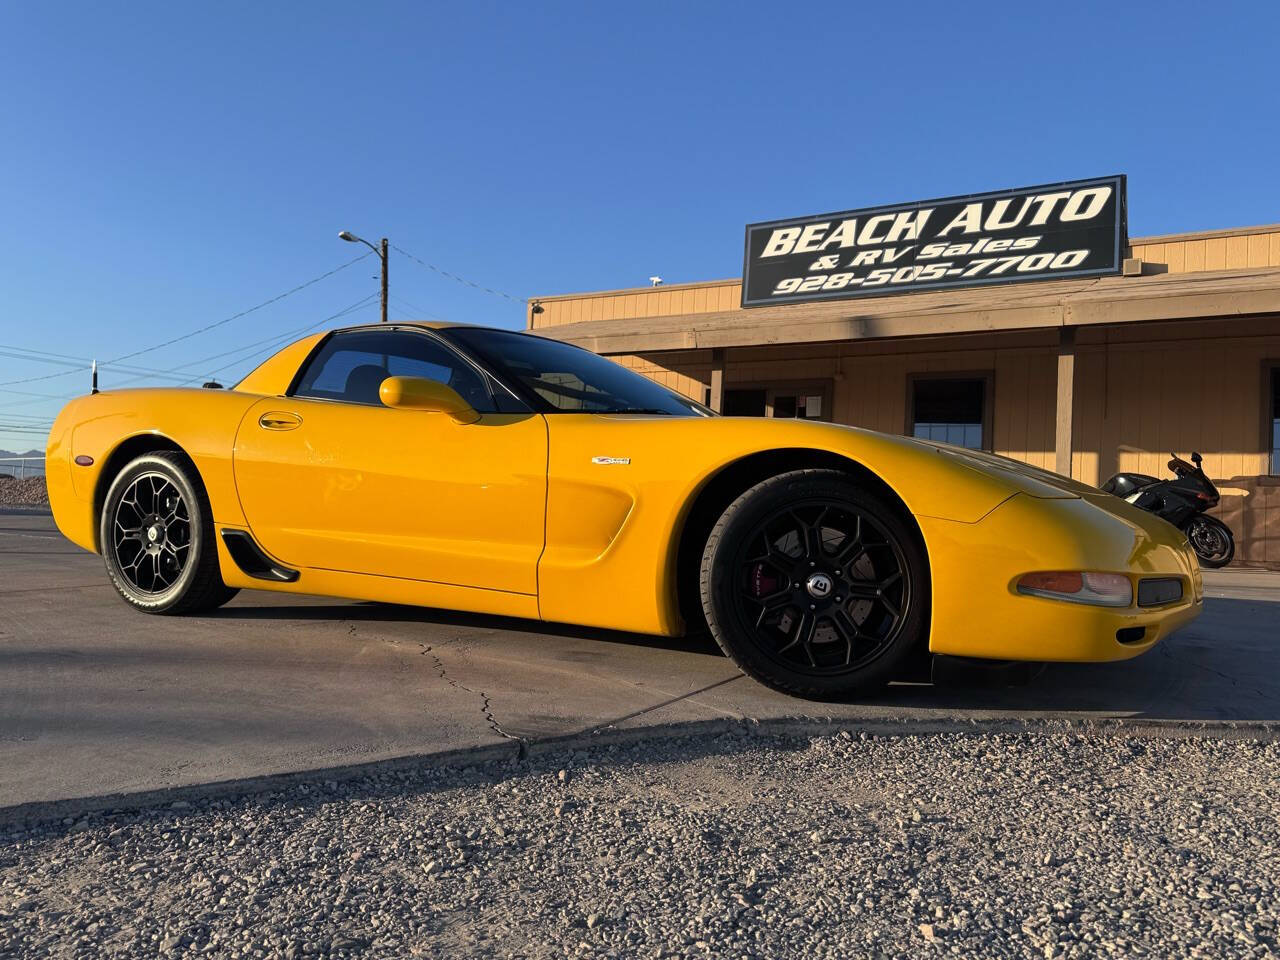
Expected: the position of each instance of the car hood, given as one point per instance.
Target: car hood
(1032, 480)
(1043, 484)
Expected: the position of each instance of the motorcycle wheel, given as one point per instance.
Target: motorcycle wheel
(1212, 541)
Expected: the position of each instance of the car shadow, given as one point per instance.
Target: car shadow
(367, 611)
(1224, 666)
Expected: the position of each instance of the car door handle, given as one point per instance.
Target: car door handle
(279, 420)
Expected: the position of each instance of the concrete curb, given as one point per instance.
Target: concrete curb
(519, 751)
(18, 510)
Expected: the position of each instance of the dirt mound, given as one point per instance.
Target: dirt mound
(28, 492)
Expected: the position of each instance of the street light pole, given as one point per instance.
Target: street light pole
(381, 251)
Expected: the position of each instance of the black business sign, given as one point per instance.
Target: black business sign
(1074, 229)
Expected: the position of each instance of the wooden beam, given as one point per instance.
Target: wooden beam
(1110, 301)
(1066, 397)
(717, 380)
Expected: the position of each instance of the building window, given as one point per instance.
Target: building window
(744, 403)
(952, 410)
(801, 406)
(1275, 419)
(804, 400)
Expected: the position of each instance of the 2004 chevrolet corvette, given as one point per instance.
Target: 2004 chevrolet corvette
(506, 473)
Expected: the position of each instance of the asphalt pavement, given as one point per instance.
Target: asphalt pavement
(96, 699)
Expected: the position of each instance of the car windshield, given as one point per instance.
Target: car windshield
(568, 379)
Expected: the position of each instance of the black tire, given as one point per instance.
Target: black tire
(1212, 541)
(156, 533)
(763, 569)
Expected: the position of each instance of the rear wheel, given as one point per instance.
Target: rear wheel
(815, 586)
(156, 532)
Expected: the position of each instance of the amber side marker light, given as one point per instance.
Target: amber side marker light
(1074, 586)
(84, 461)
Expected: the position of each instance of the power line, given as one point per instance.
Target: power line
(273, 342)
(421, 311)
(48, 356)
(30, 393)
(280, 341)
(78, 363)
(178, 373)
(36, 420)
(457, 279)
(242, 313)
(200, 330)
(19, 431)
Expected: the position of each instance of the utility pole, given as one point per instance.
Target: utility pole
(383, 254)
(381, 251)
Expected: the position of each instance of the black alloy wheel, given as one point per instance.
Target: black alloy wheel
(156, 534)
(151, 533)
(815, 586)
(1212, 541)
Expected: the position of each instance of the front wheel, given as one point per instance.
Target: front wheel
(1212, 541)
(156, 532)
(815, 586)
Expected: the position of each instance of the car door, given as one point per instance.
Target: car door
(330, 478)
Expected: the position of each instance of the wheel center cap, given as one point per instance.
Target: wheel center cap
(819, 586)
(153, 533)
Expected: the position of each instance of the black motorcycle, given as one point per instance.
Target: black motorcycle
(1183, 502)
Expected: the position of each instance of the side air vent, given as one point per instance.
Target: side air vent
(1131, 634)
(251, 558)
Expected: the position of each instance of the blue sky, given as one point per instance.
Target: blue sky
(165, 166)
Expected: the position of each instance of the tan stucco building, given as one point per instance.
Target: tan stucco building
(1082, 376)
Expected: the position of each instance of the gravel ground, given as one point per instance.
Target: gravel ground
(27, 492)
(740, 845)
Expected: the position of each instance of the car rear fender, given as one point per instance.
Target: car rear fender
(95, 436)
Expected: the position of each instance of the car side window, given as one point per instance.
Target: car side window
(351, 367)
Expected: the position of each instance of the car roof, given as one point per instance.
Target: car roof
(428, 325)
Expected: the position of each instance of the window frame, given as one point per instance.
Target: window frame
(492, 383)
(1270, 379)
(988, 378)
(824, 387)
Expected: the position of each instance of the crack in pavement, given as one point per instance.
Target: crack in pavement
(486, 708)
(1235, 681)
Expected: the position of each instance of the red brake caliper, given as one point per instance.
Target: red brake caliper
(762, 582)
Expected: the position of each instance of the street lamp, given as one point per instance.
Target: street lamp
(381, 251)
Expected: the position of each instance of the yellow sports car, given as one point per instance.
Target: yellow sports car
(504, 473)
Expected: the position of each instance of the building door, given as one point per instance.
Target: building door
(800, 400)
(953, 409)
(1271, 419)
(746, 402)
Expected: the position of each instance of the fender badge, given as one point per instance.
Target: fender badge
(611, 460)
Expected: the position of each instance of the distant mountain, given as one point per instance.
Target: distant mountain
(29, 453)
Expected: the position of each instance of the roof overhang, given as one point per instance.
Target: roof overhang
(1061, 303)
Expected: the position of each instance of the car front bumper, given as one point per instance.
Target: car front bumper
(977, 611)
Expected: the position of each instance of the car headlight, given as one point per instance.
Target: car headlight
(1079, 586)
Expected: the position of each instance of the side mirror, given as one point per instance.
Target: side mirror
(429, 396)
(1196, 458)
